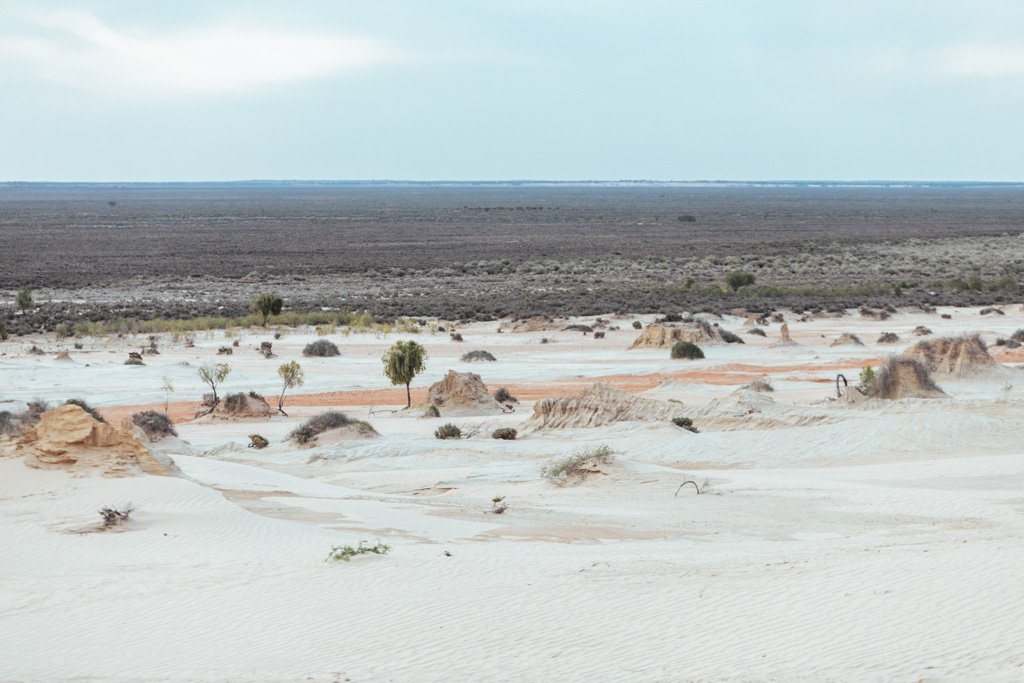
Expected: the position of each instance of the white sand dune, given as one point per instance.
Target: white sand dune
(876, 542)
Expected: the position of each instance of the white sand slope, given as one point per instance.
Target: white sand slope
(882, 541)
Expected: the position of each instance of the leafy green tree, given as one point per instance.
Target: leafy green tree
(266, 305)
(292, 376)
(739, 278)
(214, 375)
(403, 361)
(23, 299)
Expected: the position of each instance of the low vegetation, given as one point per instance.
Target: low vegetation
(321, 348)
(686, 350)
(156, 425)
(579, 465)
(506, 433)
(475, 356)
(258, 441)
(888, 338)
(86, 407)
(502, 395)
(498, 505)
(760, 385)
(266, 305)
(113, 516)
(739, 278)
(448, 431)
(323, 422)
(686, 423)
(345, 553)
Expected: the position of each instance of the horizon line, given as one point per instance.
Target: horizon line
(513, 181)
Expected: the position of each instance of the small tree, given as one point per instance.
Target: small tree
(23, 299)
(739, 278)
(213, 375)
(291, 376)
(266, 305)
(403, 361)
(168, 389)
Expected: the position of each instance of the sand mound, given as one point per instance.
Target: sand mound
(69, 438)
(663, 336)
(847, 339)
(63, 355)
(905, 378)
(536, 324)
(953, 356)
(241, 406)
(463, 393)
(599, 405)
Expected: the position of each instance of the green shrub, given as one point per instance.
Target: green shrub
(578, 465)
(867, 380)
(321, 348)
(319, 424)
(686, 423)
(346, 552)
(447, 431)
(688, 350)
(739, 278)
(86, 407)
(507, 433)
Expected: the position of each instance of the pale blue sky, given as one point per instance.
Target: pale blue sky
(478, 89)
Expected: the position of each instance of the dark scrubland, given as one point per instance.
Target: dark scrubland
(102, 252)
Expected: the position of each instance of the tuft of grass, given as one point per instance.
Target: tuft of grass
(319, 424)
(579, 465)
(447, 431)
(345, 553)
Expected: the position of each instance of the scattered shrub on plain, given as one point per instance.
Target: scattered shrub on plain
(258, 441)
(345, 553)
(447, 431)
(579, 465)
(321, 348)
(474, 356)
(506, 433)
(323, 422)
(156, 425)
(686, 423)
(687, 350)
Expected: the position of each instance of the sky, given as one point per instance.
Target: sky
(121, 90)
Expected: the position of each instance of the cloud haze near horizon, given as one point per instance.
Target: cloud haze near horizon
(114, 90)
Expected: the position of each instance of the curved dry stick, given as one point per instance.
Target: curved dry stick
(839, 392)
(696, 488)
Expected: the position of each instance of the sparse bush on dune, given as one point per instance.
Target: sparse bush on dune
(502, 395)
(474, 356)
(345, 553)
(686, 423)
(93, 413)
(258, 441)
(888, 338)
(578, 328)
(113, 516)
(323, 422)
(686, 350)
(898, 377)
(156, 425)
(579, 465)
(506, 433)
(321, 348)
(758, 331)
(448, 431)
(762, 385)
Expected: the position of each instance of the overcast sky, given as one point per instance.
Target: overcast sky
(478, 89)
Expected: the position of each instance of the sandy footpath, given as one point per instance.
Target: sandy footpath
(830, 540)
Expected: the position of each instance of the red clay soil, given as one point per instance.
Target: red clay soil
(732, 374)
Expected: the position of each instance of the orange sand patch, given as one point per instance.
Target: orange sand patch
(730, 374)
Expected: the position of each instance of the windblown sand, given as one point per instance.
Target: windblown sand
(830, 541)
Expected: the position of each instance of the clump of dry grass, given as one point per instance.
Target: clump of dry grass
(579, 465)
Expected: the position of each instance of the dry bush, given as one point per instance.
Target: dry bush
(502, 395)
(321, 423)
(888, 338)
(762, 385)
(758, 331)
(505, 433)
(258, 441)
(115, 516)
(321, 348)
(448, 431)
(156, 425)
(579, 465)
(93, 413)
(687, 350)
(474, 356)
(686, 423)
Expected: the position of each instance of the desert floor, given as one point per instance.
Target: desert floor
(880, 541)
